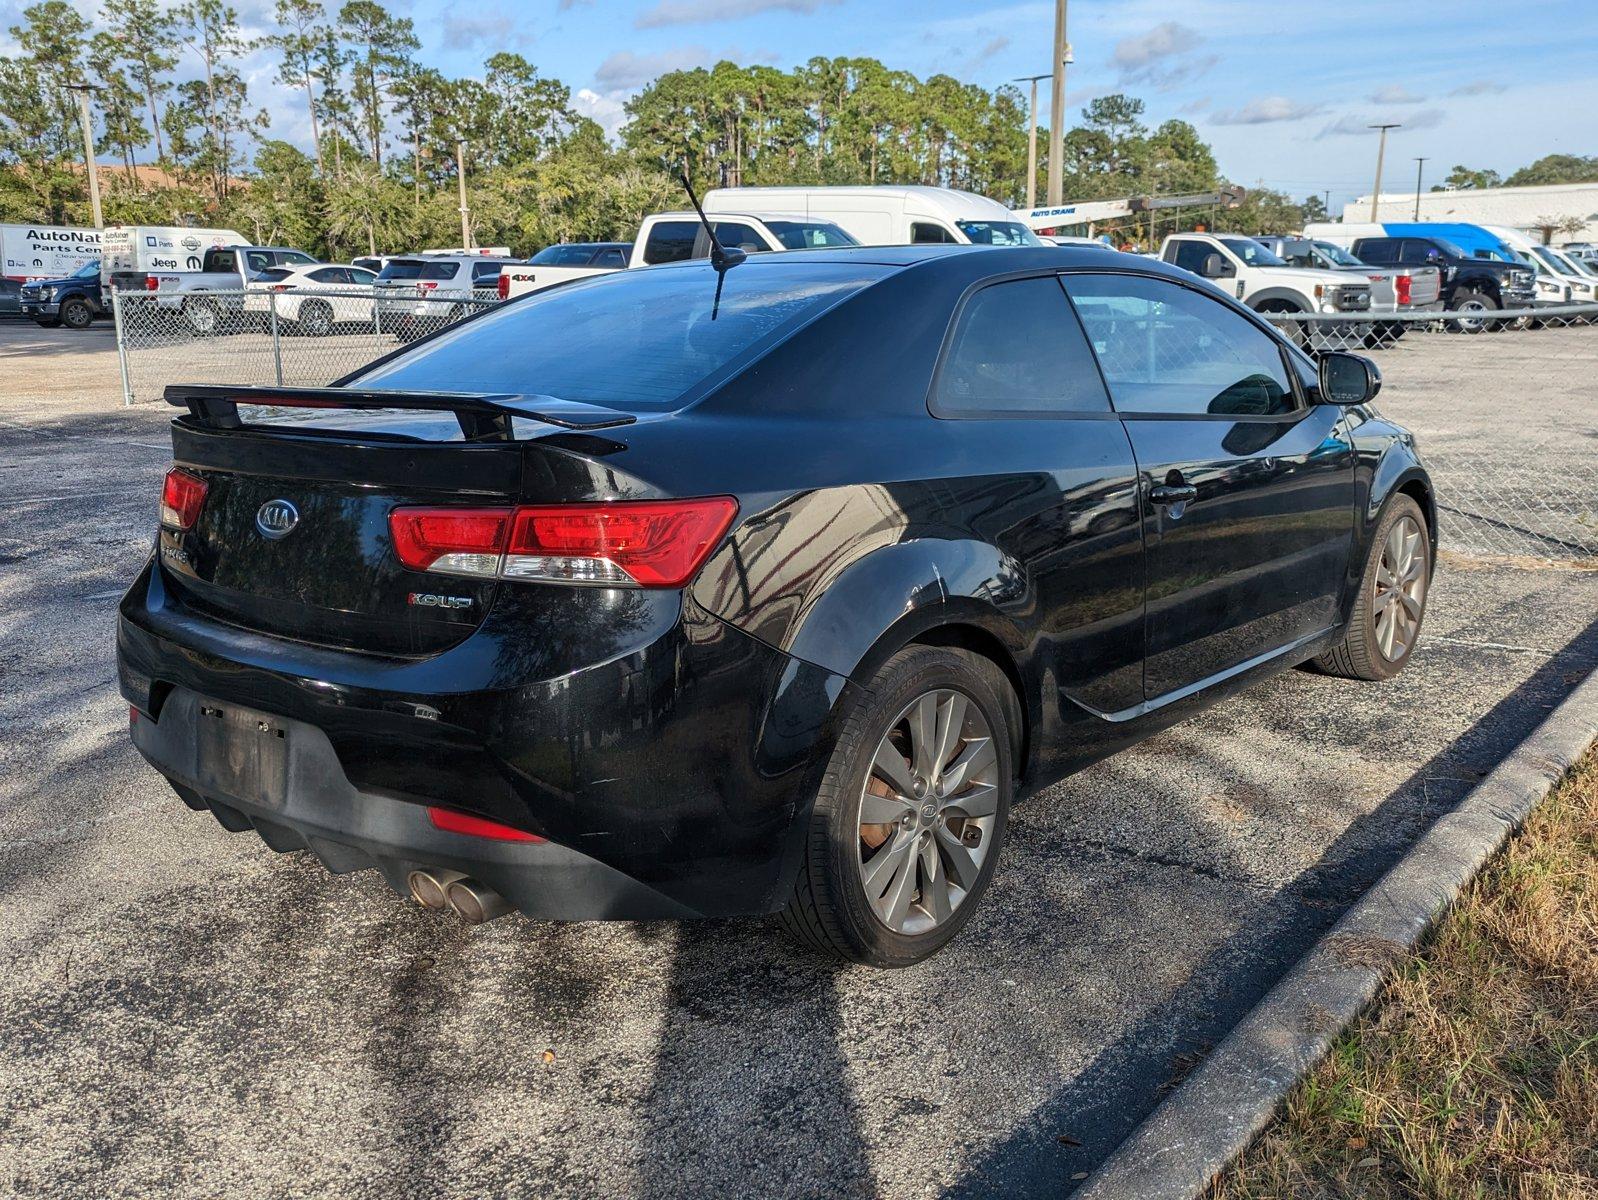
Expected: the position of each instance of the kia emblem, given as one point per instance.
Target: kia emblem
(276, 519)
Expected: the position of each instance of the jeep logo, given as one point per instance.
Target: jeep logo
(276, 519)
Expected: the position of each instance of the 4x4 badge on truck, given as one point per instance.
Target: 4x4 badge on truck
(276, 519)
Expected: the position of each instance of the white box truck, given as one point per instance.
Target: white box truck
(46, 251)
(133, 253)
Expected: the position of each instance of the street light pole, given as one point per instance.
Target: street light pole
(460, 176)
(1381, 153)
(1032, 140)
(1420, 164)
(87, 121)
(1057, 109)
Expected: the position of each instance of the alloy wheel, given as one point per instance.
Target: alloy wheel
(927, 811)
(1400, 589)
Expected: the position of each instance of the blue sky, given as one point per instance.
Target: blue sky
(1282, 90)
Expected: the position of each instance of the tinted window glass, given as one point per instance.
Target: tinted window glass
(1190, 255)
(1252, 253)
(587, 340)
(561, 256)
(998, 233)
(923, 233)
(417, 268)
(485, 273)
(740, 236)
(670, 241)
(325, 275)
(1018, 348)
(1377, 251)
(610, 258)
(808, 235)
(297, 258)
(256, 261)
(1169, 349)
(221, 260)
(275, 274)
(364, 278)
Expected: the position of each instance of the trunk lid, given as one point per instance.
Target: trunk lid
(292, 538)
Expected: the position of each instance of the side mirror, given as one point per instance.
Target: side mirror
(1216, 267)
(1348, 378)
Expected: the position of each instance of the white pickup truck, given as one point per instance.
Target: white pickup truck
(1393, 289)
(181, 267)
(1263, 281)
(669, 237)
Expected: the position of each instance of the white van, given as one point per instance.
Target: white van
(886, 216)
(130, 253)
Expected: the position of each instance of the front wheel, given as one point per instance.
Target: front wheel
(911, 813)
(1385, 624)
(76, 314)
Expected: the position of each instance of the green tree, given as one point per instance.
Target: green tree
(298, 40)
(1466, 177)
(381, 48)
(1556, 168)
(143, 33)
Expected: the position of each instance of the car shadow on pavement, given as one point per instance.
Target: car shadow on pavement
(775, 1117)
(1086, 1120)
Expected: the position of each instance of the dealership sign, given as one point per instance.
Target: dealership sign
(46, 251)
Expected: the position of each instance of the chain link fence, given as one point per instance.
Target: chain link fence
(258, 336)
(1504, 405)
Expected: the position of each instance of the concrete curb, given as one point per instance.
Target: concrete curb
(1219, 1109)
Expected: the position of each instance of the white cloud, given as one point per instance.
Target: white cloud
(493, 30)
(1264, 111)
(609, 109)
(624, 69)
(1164, 40)
(1395, 93)
(1478, 87)
(695, 12)
(994, 48)
(1352, 125)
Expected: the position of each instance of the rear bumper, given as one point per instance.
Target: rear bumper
(300, 799)
(682, 760)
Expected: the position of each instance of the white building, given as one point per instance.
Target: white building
(1527, 208)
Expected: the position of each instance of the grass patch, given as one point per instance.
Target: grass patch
(1475, 1073)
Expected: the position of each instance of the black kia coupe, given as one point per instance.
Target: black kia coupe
(691, 591)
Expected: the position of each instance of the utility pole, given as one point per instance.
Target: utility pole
(87, 121)
(1032, 140)
(1326, 203)
(1420, 164)
(1381, 153)
(1062, 53)
(466, 214)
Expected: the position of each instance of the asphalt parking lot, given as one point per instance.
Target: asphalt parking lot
(186, 1013)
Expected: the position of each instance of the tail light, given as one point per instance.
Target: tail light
(182, 496)
(502, 286)
(152, 284)
(451, 821)
(625, 543)
(280, 287)
(1402, 283)
(427, 285)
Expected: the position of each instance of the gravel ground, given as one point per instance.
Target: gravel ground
(188, 1014)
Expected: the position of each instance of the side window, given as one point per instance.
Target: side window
(1019, 349)
(1169, 349)
(255, 261)
(329, 275)
(360, 277)
(1190, 255)
(670, 241)
(610, 258)
(1377, 251)
(485, 273)
(740, 236)
(925, 233)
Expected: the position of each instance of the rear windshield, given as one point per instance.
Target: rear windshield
(417, 268)
(639, 340)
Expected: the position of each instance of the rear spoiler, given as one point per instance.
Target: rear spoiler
(482, 417)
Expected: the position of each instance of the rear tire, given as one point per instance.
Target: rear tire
(316, 318)
(204, 317)
(942, 828)
(1386, 622)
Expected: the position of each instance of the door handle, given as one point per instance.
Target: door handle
(1167, 493)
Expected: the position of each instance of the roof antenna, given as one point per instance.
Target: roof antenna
(723, 258)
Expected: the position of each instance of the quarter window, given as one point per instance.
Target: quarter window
(670, 241)
(1169, 349)
(1190, 255)
(1019, 349)
(924, 233)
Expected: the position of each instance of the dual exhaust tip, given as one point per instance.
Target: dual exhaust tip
(473, 902)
